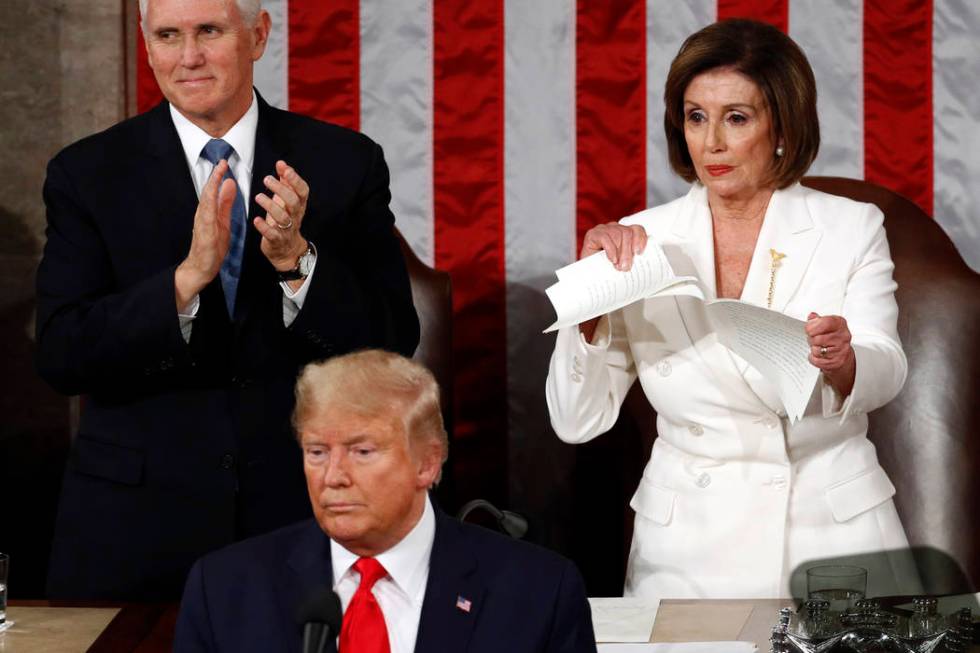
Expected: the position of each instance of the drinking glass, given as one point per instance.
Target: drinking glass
(4, 567)
(842, 585)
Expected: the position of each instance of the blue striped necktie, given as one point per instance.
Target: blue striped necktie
(231, 267)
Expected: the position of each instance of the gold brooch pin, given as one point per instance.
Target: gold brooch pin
(774, 262)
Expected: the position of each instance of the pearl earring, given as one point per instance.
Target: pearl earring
(780, 150)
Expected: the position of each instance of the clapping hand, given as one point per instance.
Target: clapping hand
(282, 242)
(210, 238)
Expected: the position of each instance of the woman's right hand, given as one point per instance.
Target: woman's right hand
(621, 243)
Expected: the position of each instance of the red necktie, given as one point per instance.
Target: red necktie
(364, 628)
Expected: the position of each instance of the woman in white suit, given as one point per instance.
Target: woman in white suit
(734, 497)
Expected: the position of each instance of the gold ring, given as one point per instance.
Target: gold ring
(823, 352)
(284, 226)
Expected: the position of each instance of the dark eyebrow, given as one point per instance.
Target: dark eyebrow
(727, 107)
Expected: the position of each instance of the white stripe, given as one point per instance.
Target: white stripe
(396, 108)
(272, 70)
(831, 35)
(668, 24)
(956, 126)
(539, 184)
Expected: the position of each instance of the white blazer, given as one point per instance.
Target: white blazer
(734, 498)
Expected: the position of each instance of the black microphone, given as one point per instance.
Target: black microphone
(320, 616)
(512, 523)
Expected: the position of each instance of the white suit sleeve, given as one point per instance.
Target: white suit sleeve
(872, 317)
(587, 382)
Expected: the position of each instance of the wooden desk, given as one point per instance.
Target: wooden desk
(100, 627)
(717, 620)
(60, 627)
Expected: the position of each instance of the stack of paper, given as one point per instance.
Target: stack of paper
(774, 344)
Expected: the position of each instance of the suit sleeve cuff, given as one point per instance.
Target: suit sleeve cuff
(292, 302)
(186, 317)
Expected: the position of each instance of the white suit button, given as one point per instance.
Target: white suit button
(576, 377)
(576, 365)
(664, 368)
(703, 479)
(770, 422)
(696, 429)
(781, 413)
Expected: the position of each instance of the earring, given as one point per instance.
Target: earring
(780, 150)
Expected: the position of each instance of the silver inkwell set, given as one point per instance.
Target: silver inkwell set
(867, 627)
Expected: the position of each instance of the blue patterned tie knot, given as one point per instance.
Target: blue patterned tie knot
(231, 267)
(217, 149)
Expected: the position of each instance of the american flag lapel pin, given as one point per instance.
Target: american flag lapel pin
(463, 603)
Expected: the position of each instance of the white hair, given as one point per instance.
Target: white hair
(249, 8)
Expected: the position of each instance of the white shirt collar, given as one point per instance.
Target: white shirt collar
(407, 563)
(241, 136)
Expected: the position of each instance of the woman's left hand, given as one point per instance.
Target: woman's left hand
(831, 351)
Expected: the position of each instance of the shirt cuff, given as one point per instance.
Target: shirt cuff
(292, 302)
(186, 317)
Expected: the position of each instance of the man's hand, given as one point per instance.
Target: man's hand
(282, 242)
(211, 237)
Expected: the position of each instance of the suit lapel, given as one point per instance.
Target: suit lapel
(788, 229)
(694, 254)
(172, 191)
(270, 147)
(174, 200)
(306, 568)
(454, 594)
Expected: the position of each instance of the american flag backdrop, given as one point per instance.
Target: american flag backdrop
(512, 126)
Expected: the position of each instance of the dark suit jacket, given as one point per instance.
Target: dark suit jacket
(524, 599)
(185, 447)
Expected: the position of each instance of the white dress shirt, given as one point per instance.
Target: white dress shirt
(241, 137)
(401, 592)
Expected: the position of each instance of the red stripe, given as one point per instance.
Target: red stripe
(898, 119)
(610, 114)
(324, 60)
(148, 94)
(468, 170)
(774, 12)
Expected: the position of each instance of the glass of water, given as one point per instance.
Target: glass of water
(4, 568)
(842, 585)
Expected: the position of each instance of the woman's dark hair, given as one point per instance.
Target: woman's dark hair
(777, 66)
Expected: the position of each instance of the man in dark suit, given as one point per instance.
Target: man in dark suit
(184, 319)
(409, 577)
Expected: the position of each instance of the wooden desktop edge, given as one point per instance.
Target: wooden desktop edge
(147, 626)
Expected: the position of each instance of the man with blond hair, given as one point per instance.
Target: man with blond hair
(198, 256)
(409, 577)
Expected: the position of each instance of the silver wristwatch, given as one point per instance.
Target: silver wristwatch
(304, 265)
